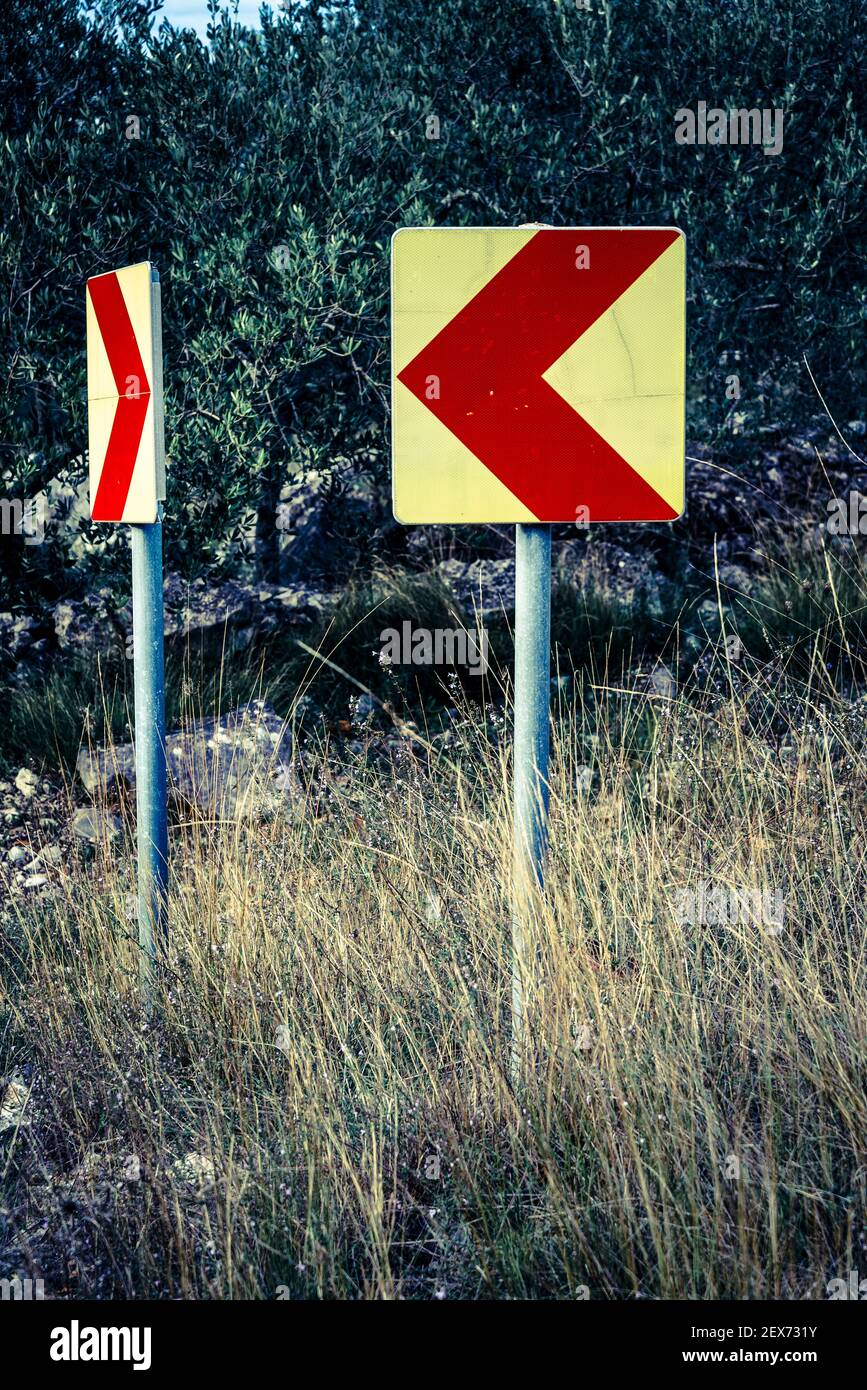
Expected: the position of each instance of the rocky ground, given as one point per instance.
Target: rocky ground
(243, 766)
(732, 492)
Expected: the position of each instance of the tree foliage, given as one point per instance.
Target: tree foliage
(264, 172)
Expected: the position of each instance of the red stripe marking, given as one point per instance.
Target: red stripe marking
(133, 387)
(490, 358)
(120, 456)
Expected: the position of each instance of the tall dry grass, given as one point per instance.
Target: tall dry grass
(321, 1103)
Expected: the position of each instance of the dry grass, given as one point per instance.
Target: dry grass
(331, 1041)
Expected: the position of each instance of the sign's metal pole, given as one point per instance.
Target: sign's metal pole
(150, 746)
(531, 737)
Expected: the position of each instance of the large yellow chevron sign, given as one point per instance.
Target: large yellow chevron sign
(538, 375)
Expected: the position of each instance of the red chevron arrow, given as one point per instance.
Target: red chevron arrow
(133, 389)
(489, 360)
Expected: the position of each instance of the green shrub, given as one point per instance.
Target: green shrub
(271, 168)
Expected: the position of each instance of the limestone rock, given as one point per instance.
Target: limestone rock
(92, 824)
(237, 765)
(27, 783)
(486, 587)
(13, 1102)
(93, 623)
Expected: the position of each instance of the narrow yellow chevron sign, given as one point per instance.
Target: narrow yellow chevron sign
(124, 394)
(538, 375)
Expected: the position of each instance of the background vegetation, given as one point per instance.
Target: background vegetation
(271, 168)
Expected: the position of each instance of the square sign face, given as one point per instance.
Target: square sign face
(538, 374)
(125, 395)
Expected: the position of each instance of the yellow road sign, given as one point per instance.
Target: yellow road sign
(124, 394)
(538, 374)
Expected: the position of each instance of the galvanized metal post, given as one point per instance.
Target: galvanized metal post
(531, 739)
(150, 746)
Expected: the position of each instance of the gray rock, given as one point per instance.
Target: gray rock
(47, 856)
(239, 765)
(97, 624)
(94, 825)
(735, 577)
(322, 520)
(300, 524)
(196, 1178)
(94, 623)
(27, 783)
(662, 681)
(707, 614)
(486, 587)
(242, 608)
(489, 585)
(14, 1094)
(198, 607)
(100, 770)
(607, 570)
(17, 635)
(418, 543)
